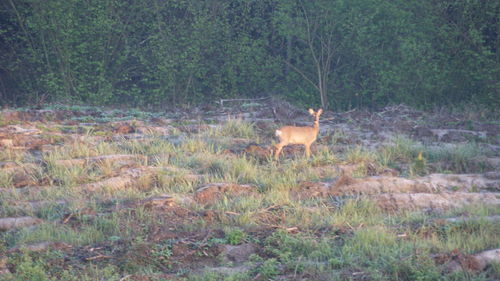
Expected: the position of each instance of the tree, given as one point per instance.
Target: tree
(314, 24)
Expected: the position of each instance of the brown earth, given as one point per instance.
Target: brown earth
(210, 193)
(19, 222)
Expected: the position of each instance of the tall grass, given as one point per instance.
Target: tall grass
(235, 128)
(458, 158)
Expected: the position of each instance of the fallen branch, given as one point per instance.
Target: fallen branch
(100, 256)
(221, 102)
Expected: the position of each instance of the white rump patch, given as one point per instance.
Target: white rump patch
(278, 133)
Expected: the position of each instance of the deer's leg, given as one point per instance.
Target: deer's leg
(279, 146)
(308, 149)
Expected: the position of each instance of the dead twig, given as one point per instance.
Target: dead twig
(68, 217)
(100, 256)
(125, 277)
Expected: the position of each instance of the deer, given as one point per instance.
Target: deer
(298, 135)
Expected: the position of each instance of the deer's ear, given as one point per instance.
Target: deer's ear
(311, 111)
(320, 111)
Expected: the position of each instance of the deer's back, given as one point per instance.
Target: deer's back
(296, 135)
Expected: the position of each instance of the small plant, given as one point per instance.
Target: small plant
(162, 251)
(235, 236)
(269, 269)
(28, 269)
(5, 180)
(419, 166)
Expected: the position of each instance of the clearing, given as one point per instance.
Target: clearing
(397, 194)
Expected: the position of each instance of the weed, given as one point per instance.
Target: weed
(234, 236)
(269, 269)
(162, 251)
(5, 180)
(419, 166)
(27, 269)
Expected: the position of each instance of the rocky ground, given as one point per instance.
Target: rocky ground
(194, 195)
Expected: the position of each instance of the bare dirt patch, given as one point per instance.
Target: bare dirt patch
(457, 261)
(126, 179)
(434, 201)
(19, 222)
(208, 194)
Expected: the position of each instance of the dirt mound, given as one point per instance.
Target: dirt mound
(258, 151)
(457, 261)
(4, 270)
(20, 175)
(395, 193)
(25, 137)
(212, 192)
(158, 202)
(20, 222)
(117, 159)
(127, 179)
(379, 184)
(456, 135)
(346, 185)
(433, 201)
(239, 253)
(431, 183)
(468, 219)
(39, 247)
(34, 205)
(9, 116)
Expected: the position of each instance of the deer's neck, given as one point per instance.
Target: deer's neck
(316, 125)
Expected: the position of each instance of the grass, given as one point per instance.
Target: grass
(5, 180)
(447, 158)
(236, 128)
(458, 158)
(330, 238)
(399, 149)
(358, 154)
(11, 155)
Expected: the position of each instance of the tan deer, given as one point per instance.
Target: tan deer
(298, 135)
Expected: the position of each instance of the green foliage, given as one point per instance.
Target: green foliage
(419, 166)
(338, 53)
(235, 236)
(162, 251)
(269, 269)
(30, 270)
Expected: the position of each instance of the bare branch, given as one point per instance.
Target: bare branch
(302, 74)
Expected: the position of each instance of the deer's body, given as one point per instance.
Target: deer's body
(298, 135)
